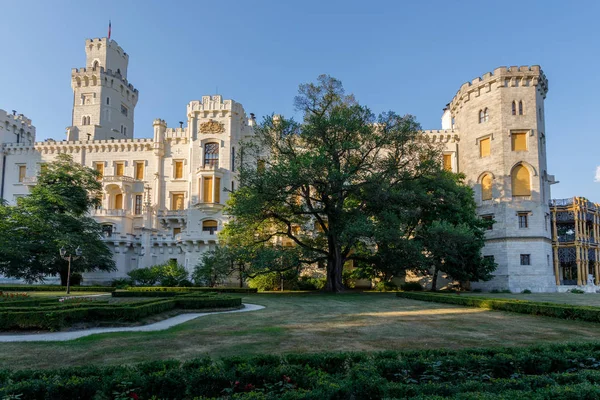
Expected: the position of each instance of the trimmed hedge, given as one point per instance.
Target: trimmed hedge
(539, 372)
(57, 316)
(54, 288)
(191, 289)
(555, 310)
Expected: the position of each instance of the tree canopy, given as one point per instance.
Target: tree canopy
(342, 184)
(52, 216)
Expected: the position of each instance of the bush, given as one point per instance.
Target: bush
(145, 276)
(310, 283)
(121, 283)
(76, 279)
(564, 311)
(411, 287)
(577, 291)
(526, 291)
(168, 274)
(192, 289)
(272, 281)
(541, 372)
(53, 288)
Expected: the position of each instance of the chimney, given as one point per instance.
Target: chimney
(181, 124)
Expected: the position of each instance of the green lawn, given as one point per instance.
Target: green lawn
(587, 299)
(309, 323)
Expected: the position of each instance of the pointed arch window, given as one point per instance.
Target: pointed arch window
(521, 181)
(486, 115)
(520, 107)
(486, 187)
(480, 116)
(514, 108)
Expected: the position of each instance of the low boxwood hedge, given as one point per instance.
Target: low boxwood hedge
(191, 289)
(555, 310)
(53, 316)
(570, 371)
(54, 288)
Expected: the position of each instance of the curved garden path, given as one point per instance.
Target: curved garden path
(157, 326)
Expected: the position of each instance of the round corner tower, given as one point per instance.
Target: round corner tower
(500, 119)
(103, 99)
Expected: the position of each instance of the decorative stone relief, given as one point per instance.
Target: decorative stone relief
(211, 127)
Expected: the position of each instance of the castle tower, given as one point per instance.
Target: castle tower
(500, 120)
(103, 101)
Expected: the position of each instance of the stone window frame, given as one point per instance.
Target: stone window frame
(173, 169)
(525, 259)
(526, 215)
(172, 195)
(489, 216)
(478, 144)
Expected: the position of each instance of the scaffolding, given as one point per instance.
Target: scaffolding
(575, 233)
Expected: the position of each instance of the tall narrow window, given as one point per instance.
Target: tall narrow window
(233, 159)
(480, 116)
(520, 107)
(118, 201)
(138, 204)
(486, 187)
(448, 162)
(521, 181)
(119, 169)
(209, 226)
(211, 154)
(208, 190)
(176, 231)
(484, 147)
(519, 141)
(100, 168)
(177, 201)
(139, 171)
(486, 115)
(22, 170)
(217, 190)
(108, 101)
(178, 170)
(514, 108)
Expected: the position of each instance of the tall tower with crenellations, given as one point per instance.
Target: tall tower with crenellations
(499, 119)
(103, 99)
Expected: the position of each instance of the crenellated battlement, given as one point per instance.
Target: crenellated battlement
(18, 119)
(172, 133)
(502, 77)
(440, 136)
(213, 103)
(105, 42)
(100, 72)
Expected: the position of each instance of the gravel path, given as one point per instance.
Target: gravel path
(157, 326)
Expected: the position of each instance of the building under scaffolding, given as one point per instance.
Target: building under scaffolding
(575, 233)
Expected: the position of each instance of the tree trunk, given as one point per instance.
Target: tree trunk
(434, 280)
(63, 276)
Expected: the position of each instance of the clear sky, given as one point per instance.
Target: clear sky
(405, 56)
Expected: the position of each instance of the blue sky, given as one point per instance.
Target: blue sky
(406, 56)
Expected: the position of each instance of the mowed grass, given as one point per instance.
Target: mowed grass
(583, 299)
(308, 323)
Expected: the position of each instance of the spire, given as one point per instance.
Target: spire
(109, 29)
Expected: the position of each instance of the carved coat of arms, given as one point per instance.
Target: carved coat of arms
(211, 127)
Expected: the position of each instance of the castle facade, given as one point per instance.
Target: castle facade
(163, 196)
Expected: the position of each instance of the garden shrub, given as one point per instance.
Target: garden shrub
(53, 288)
(192, 289)
(565, 371)
(576, 291)
(411, 287)
(526, 291)
(556, 310)
(54, 316)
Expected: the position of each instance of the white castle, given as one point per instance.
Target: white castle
(163, 196)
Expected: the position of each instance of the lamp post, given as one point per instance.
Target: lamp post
(69, 258)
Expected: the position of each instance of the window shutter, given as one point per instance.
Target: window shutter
(484, 147)
(208, 190)
(519, 141)
(447, 162)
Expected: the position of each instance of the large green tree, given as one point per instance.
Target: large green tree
(313, 181)
(52, 216)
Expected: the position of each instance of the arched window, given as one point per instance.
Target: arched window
(486, 187)
(514, 108)
(520, 108)
(521, 181)
(211, 154)
(94, 80)
(78, 82)
(486, 115)
(209, 226)
(96, 65)
(86, 81)
(480, 116)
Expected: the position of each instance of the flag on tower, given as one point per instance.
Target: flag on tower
(109, 29)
